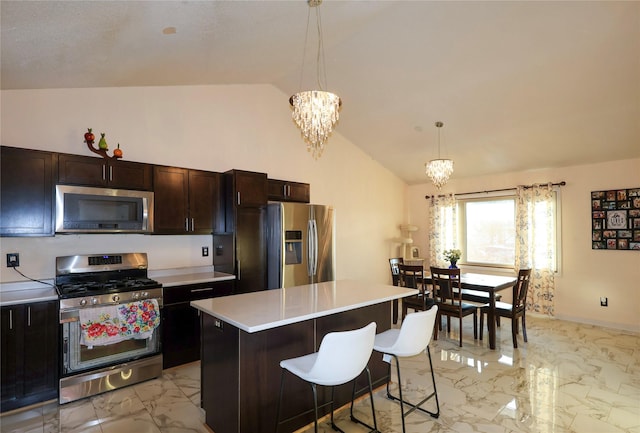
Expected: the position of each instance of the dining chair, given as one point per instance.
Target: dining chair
(515, 310)
(341, 358)
(411, 339)
(447, 292)
(412, 276)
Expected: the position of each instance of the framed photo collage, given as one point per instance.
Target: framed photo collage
(615, 218)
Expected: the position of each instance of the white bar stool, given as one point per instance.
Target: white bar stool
(412, 338)
(341, 358)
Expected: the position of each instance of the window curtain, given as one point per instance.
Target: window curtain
(535, 244)
(442, 228)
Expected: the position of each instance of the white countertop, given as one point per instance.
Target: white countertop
(26, 292)
(186, 276)
(257, 311)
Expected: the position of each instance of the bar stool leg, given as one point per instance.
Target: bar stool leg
(373, 429)
(413, 406)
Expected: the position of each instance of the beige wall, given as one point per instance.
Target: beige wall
(213, 128)
(585, 274)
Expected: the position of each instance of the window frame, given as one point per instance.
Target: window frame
(462, 223)
(509, 194)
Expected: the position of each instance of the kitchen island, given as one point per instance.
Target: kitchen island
(244, 338)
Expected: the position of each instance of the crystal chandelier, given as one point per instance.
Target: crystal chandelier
(315, 111)
(439, 169)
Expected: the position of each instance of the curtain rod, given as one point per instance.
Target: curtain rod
(563, 183)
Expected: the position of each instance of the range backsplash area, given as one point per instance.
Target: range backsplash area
(38, 254)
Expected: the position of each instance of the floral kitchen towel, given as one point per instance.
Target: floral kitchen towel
(139, 318)
(111, 324)
(100, 326)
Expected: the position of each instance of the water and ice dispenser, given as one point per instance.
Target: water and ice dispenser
(293, 247)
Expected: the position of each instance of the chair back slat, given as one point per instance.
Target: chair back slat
(520, 289)
(446, 285)
(395, 271)
(411, 276)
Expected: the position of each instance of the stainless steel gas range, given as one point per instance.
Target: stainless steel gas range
(110, 323)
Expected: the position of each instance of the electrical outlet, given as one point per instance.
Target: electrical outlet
(205, 251)
(13, 260)
(604, 302)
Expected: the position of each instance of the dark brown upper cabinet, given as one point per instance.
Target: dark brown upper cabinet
(26, 192)
(186, 201)
(101, 172)
(246, 203)
(283, 190)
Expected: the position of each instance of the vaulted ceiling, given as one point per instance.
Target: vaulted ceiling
(518, 85)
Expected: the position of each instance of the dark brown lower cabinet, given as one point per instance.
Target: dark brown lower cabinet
(29, 350)
(241, 371)
(181, 322)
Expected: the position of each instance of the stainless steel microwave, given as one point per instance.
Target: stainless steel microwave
(82, 209)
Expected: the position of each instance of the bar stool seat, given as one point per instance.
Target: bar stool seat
(341, 358)
(411, 339)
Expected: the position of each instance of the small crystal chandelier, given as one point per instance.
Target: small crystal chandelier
(439, 169)
(315, 111)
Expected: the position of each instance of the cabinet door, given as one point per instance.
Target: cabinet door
(130, 175)
(82, 170)
(250, 188)
(11, 356)
(26, 192)
(203, 201)
(180, 335)
(251, 268)
(41, 350)
(282, 190)
(171, 195)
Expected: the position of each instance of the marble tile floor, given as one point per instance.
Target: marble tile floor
(569, 377)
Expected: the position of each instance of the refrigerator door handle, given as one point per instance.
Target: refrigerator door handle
(315, 247)
(310, 247)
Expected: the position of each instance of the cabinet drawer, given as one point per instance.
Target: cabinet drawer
(193, 292)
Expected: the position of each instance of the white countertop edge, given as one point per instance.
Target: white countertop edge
(202, 306)
(186, 276)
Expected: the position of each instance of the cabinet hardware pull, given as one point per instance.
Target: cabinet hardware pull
(193, 225)
(207, 289)
(238, 193)
(28, 316)
(284, 190)
(239, 270)
(104, 172)
(186, 224)
(10, 319)
(110, 173)
(288, 190)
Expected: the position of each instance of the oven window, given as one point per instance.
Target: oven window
(78, 357)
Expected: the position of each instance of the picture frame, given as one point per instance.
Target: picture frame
(615, 219)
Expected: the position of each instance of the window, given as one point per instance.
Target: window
(487, 231)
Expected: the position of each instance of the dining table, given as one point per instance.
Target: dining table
(490, 284)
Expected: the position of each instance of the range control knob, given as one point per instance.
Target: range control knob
(94, 301)
(83, 302)
(145, 294)
(136, 295)
(115, 298)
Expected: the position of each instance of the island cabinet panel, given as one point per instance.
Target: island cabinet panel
(26, 192)
(241, 371)
(101, 172)
(283, 190)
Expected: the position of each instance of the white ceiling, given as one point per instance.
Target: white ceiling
(518, 85)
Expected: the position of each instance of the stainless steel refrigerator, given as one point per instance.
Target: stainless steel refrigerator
(300, 244)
